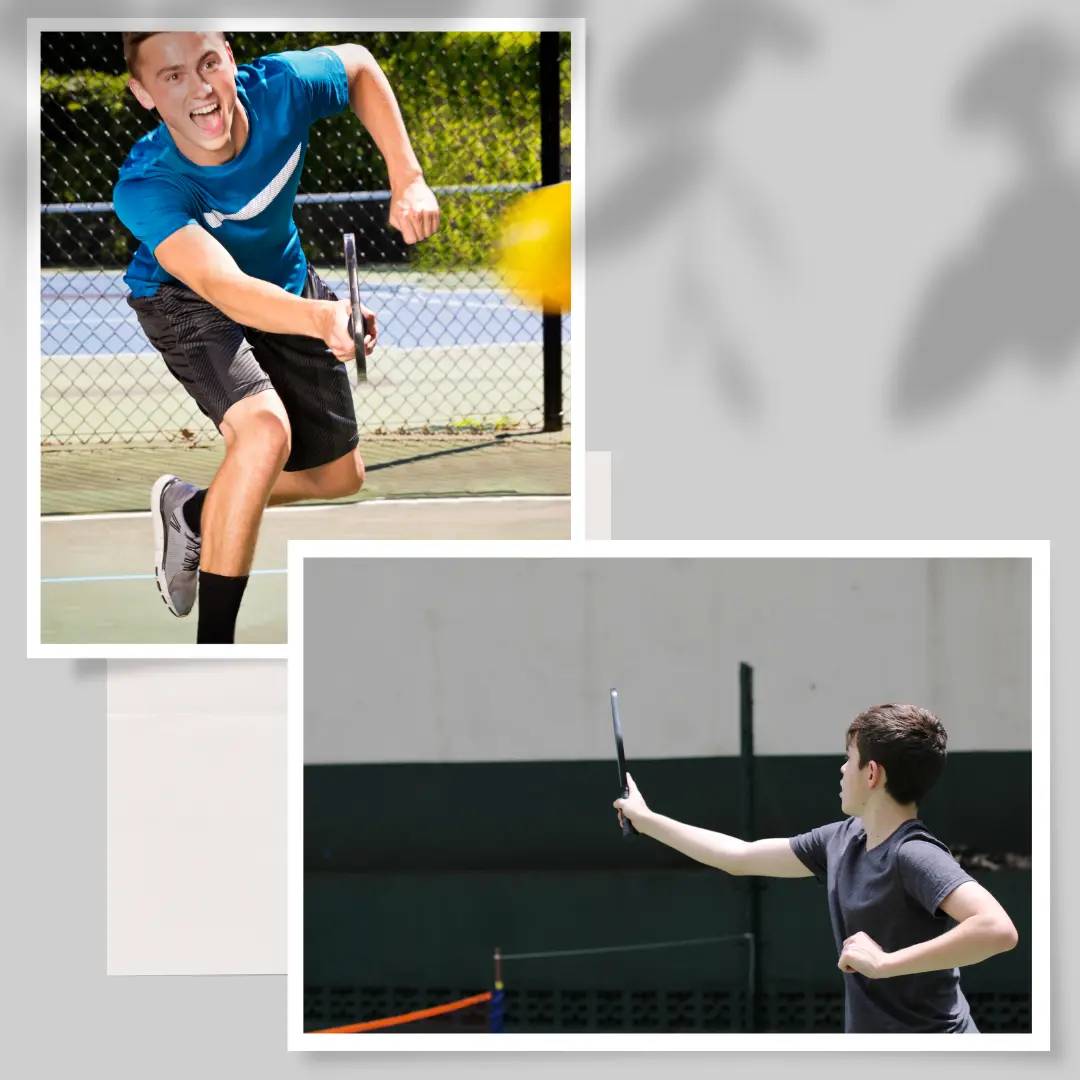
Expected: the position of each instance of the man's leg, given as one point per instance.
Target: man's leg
(257, 443)
(211, 357)
(325, 462)
(335, 480)
(308, 426)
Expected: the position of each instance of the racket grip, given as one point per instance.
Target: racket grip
(359, 341)
(628, 830)
(357, 316)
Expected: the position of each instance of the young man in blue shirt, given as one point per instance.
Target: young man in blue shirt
(905, 916)
(223, 290)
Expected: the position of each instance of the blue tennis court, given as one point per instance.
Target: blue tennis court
(84, 312)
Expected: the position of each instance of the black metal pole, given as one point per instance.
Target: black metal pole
(749, 832)
(550, 109)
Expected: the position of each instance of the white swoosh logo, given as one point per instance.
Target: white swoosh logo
(261, 201)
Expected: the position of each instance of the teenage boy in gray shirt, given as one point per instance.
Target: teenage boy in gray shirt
(904, 914)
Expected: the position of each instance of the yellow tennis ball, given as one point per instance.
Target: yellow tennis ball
(534, 248)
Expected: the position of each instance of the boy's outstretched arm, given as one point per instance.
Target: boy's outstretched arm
(764, 858)
(414, 210)
(983, 930)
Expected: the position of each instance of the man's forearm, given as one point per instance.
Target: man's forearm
(265, 306)
(373, 101)
(712, 848)
(969, 942)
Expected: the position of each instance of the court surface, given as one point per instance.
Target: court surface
(98, 585)
(449, 429)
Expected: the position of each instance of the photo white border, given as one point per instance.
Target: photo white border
(36, 649)
(1039, 554)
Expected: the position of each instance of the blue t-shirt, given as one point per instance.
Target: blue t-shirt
(893, 894)
(247, 203)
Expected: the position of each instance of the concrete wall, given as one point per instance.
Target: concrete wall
(511, 659)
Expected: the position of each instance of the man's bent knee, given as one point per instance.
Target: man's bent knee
(261, 423)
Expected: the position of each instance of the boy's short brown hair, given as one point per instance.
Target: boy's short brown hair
(907, 742)
(132, 40)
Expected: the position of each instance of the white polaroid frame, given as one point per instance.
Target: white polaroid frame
(1039, 1037)
(36, 523)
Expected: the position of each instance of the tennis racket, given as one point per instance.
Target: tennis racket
(628, 830)
(357, 319)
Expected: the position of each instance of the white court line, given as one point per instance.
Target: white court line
(445, 499)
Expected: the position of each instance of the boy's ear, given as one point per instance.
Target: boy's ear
(137, 88)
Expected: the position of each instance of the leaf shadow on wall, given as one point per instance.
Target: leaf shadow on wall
(1014, 288)
(671, 92)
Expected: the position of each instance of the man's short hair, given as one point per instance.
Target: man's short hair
(133, 39)
(907, 742)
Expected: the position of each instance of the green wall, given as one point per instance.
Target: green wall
(557, 815)
(416, 872)
(441, 929)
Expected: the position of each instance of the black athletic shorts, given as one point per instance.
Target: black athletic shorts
(220, 363)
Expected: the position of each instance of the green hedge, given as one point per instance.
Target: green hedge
(471, 103)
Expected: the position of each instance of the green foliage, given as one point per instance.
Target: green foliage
(89, 121)
(470, 101)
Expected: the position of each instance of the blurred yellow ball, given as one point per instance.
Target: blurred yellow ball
(533, 254)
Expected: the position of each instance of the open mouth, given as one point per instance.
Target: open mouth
(209, 118)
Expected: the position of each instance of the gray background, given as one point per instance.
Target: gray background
(1000, 464)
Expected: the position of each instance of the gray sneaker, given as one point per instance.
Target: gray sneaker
(176, 558)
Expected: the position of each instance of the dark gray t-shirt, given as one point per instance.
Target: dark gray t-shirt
(892, 894)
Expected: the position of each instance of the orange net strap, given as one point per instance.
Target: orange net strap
(405, 1018)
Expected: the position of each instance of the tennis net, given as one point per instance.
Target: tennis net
(629, 986)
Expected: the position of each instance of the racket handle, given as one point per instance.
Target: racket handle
(358, 341)
(628, 830)
(357, 315)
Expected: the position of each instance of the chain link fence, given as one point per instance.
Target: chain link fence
(457, 354)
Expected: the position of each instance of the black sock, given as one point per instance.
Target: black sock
(219, 604)
(193, 511)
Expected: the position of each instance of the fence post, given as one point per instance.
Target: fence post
(550, 174)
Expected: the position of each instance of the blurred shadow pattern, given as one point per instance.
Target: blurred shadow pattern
(678, 169)
(1016, 286)
(709, 49)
